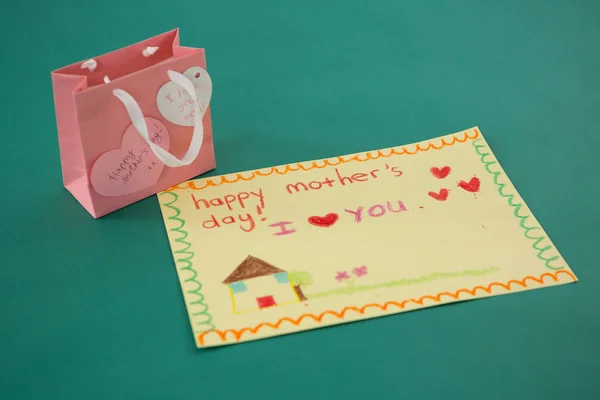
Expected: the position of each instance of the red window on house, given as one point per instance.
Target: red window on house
(266, 301)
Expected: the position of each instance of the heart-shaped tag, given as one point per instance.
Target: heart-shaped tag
(440, 173)
(441, 196)
(177, 106)
(325, 221)
(471, 186)
(134, 166)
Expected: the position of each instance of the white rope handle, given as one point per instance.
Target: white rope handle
(137, 119)
(92, 64)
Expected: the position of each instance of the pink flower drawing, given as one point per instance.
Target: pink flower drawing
(341, 276)
(360, 271)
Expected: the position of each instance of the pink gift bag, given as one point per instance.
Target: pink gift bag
(133, 122)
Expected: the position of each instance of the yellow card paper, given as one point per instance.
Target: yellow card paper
(307, 245)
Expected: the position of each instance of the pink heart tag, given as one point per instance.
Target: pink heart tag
(134, 166)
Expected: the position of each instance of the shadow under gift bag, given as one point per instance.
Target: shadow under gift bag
(133, 122)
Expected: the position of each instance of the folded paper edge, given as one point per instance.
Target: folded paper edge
(175, 42)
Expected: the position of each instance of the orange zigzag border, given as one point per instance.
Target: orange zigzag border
(341, 314)
(340, 160)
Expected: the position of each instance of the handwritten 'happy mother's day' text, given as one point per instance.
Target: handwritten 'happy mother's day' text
(241, 200)
(131, 161)
(341, 180)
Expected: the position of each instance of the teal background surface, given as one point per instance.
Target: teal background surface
(92, 309)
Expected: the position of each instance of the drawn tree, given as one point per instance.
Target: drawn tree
(300, 279)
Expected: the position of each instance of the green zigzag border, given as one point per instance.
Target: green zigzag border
(517, 206)
(184, 256)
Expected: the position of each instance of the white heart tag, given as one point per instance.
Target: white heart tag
(177, 106)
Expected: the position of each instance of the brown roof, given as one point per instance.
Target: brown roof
(252, 267)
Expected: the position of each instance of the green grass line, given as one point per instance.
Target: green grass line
(516, 207)
(183, 258)
(405, 282)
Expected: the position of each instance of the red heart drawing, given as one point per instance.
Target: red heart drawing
(325, 221)
(440, 173)
(441, 196)
(471, 186)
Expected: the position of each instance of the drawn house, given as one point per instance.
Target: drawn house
(256, 284)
